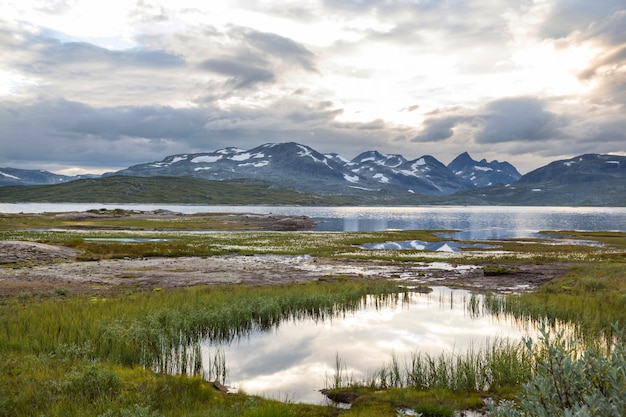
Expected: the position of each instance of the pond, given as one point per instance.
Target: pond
(299, 357)
(443, 246)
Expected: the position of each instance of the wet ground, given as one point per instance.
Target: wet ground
(53, 268)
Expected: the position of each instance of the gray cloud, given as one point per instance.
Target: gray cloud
(511, 119)
(242, 75)
(518, 119)
(567, 16)
(71, 133)
(282, 48)
(37, 51)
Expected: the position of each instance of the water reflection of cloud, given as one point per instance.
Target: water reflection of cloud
(299, 358)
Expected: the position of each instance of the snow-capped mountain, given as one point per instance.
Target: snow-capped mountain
(289, 164)
(303, 168)
(425, 175)
(483, 173)
(16, 176)
(581, 169)
(374, 178)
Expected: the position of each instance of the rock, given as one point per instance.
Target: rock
(293, 223)
(346, 397)
(220, 387)
(17, 252)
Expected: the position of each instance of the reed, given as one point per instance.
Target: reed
(162, 330)
(499, 365)
(590, 298)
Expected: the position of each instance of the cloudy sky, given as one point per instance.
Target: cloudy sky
(94, 86)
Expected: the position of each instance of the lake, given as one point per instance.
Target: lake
(473, 222)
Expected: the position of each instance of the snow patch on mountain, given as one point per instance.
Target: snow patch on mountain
(241, 157)
(484, 169)
(178, 159)
(381, 178)
(206, 159)
(351, 178)
(9, 175)
(259, 164)
(307, 152)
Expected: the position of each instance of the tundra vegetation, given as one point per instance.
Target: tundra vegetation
(134, 352)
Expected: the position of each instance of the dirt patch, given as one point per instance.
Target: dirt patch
(51, 268)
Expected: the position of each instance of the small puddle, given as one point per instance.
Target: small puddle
(296, 359)
(445, 246)
(126, 239)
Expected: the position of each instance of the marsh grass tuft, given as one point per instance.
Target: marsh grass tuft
(591, 297)
(499, 365)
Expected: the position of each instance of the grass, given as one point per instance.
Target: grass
(499, 366)
(591, 296)
(146, 328)
(69, 355)
(104, 349)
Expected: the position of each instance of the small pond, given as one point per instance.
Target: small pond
(444, 246)
(298, 358)
(126, 239)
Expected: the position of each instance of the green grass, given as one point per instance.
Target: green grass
(591, 296)
(86, 355)
(145, 328)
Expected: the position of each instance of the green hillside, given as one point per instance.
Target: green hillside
(190, 190)
(172, 190)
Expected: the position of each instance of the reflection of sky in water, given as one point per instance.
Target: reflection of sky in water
(296, 360)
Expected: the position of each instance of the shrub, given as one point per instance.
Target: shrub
(572, 383)
(93, 382)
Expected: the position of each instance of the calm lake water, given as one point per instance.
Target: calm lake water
(473, 222)
(297, 359)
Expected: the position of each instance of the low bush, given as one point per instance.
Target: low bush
(572, 383)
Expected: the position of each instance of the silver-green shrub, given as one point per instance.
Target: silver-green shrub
(570, 381)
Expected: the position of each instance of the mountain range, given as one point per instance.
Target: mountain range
(302, 168)
(369, 178)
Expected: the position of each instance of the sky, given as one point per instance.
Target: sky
(90, 86)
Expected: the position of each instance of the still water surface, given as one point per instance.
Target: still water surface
(297, 359)
(473, 222)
